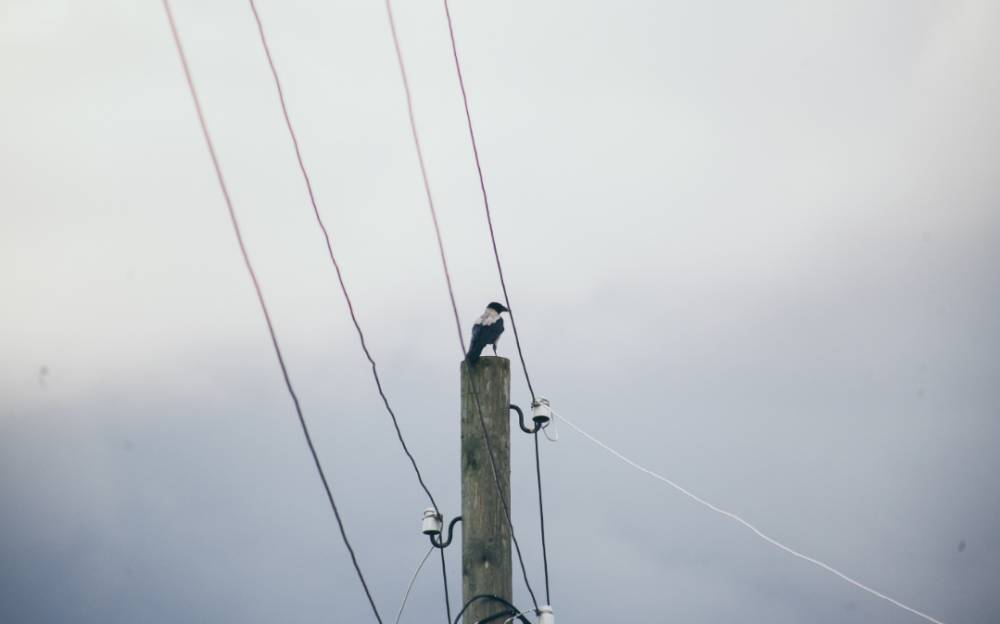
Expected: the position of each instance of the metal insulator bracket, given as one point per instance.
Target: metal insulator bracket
(520, 419)
(436, 538)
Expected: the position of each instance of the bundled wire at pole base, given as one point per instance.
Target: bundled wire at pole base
(492, 598)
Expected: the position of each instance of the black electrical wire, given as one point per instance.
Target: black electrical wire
(495, 616)
(491, 598)
(329, 248)
(451, 292)
(486, 199)
(503, 282)
(260, 298)
(541, 515)
(505, 613)
(496, 480)
(444, 573)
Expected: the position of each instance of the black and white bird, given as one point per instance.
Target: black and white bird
(486, 331)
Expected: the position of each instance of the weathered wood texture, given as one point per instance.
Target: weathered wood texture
(486, 559)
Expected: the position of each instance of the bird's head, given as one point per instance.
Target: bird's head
(497, 307)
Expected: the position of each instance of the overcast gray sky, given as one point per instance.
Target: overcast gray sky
(754, 246)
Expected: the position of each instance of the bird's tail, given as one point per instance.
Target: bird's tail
(472, 356)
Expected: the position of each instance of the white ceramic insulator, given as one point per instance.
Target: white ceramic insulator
(541, 409)
(546, 616)
(432, 523)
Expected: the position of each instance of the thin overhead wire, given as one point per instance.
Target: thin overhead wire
(506, 612)
(541, 518)
(260, 299)
(409, 587)
(423, 166)
(444, 574)
(555, 431)
(329, 248)
(486, 199)
(516, 616)
(755, 530)
(503, 282)
(451, 291)
(499, 487)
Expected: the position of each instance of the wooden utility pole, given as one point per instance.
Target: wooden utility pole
(486, 560)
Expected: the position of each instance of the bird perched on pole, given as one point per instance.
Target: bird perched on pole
(486, 331)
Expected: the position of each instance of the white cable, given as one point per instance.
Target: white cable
(545, 430)
(412, 581)
(757, 531)
(517, 615)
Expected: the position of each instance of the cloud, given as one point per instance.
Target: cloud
(755, 249)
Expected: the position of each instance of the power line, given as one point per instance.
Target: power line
(496, 480)
(541, 517)
(260, 298)
(329, 248)
(486, 199)
(444, 574)
(409, 587)
(755, 530)
(451, 292)
(503, 282)
(423, 166)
